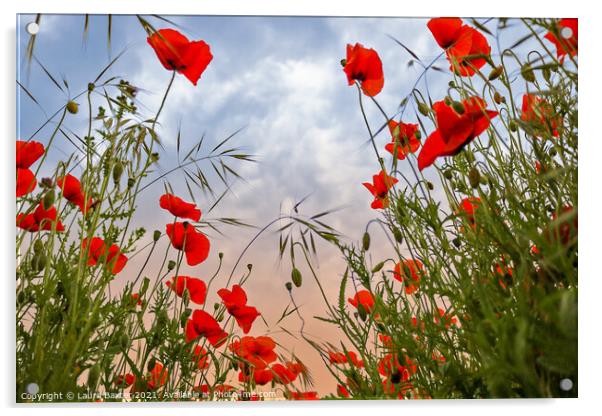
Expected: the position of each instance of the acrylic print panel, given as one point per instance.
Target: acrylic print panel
(295, 208)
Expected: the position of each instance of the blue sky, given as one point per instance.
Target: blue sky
(280, 79)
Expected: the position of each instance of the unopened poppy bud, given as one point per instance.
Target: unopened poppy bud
(151, 364)
(155, 157)
(430, 185)
(397, 235)
(474, 177)
(495, 73)
(124, 340)
(423, 109)
(144, 286)
(171, 265)
(48, 199)
(47, 182)
(39, 261)
(296, 277)
(343, 62)
(451, 84)
(21, 298)
(547, 74)
(553, 152)
(216, 306)
(418, 135)
(366, 241)
(93, 375)
(131, 182)
(458, 107)
(448, 174)
(362, 312)
(156, 235)
(378, 267)
(498, 98)
(447, 100)
(38, 246)
(527, 73)
(469, 156)
(288, 286)
(91, 86)
(512, 126)
(456, 241)
(72, 107)
(117, 171)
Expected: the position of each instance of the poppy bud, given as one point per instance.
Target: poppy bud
(93, 375)
(378, 267)
(131, 182)
(512, 126)
(151, 364)
(220, 255)
(48, 199)
(72, 107)
(21, 298)
(362, 312)
(469, 156)
(296, 277)
(144, 286)
(495, 73)
(447, 100)
(288, 286)
(366, 241)
(39, 261)
(418, 135)
(38, 246)
(47, 182)
(343, 62)
(156, 235)
(155, 157)
(498, 98)
(124, 340)
(117, 171)
(423, 109)
(527, 73)
(91, 86)
(397, 235)
(458, 107)
(448, 174)
(456, 242)
(474, 177)
(430, 185)
(547, 74)
(553, 152)
(171, 265)
(451, 84)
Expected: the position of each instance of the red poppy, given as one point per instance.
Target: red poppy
(72, 191)
(135, 297)
(201, 357)
(468, 207)
(562, 229)
(540, 114)
(260, 376)
(454, 130)
(197, 289)
(567, 43)
(295, 367)
(157, 376)
(379, 187)
(364, 65)
(342, 391)
(40, 219)
(304, 395)
(195, 245)
(390, 364)
(386, 340)
(447, 319)
(125, 380)
(256, 351)
(202, 324)
(503, 271)
(364, 298)
(341, 358)
(27, 153)
(180, 208)
(177, 53)
(404, 137)
(110, 256)
(465, 47)
(236, 304)
(409, 272)
(283, 374)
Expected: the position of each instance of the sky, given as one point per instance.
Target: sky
(281, 81)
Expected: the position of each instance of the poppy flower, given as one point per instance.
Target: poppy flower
(283, 374)
(236, 304)
(447, 319)
(197, 289)
(40, 219)
(468, 207)
(364, 298)
(465, 47)
(72, 191)
(111, 256)
(177, 53)
(27, 153)
(566, 42)
(341, 358)
(409, 272)
(404, 138)
(364, 65)
(258, 352)
(202, 324)
(342, 391)
(379, 187)
(180, 208)
(201, 357)
(157, 376)
(125, 380)
(295, 367)
(260, 376)
(390, 365)
(185, 237)
(562, 228)
(540, 115)
(386, 340)
(454, 131)
(504, 272)
(304, 395)
(135, 299)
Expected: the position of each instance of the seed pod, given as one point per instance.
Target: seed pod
(458, 107)
(397, 235)
(93, 376)
(91, 86)
(38, 246)
(72, 107)
(495, 73)
(171, 265)
(296, 277)
(362, 312)
(48, 199)
(117, 171)
(156, 235)
(250, 266)
(423, 109)
(527, 73)
(288, 286)
(366, 241)
(474, 177)
(220, 255)
(378, 267)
